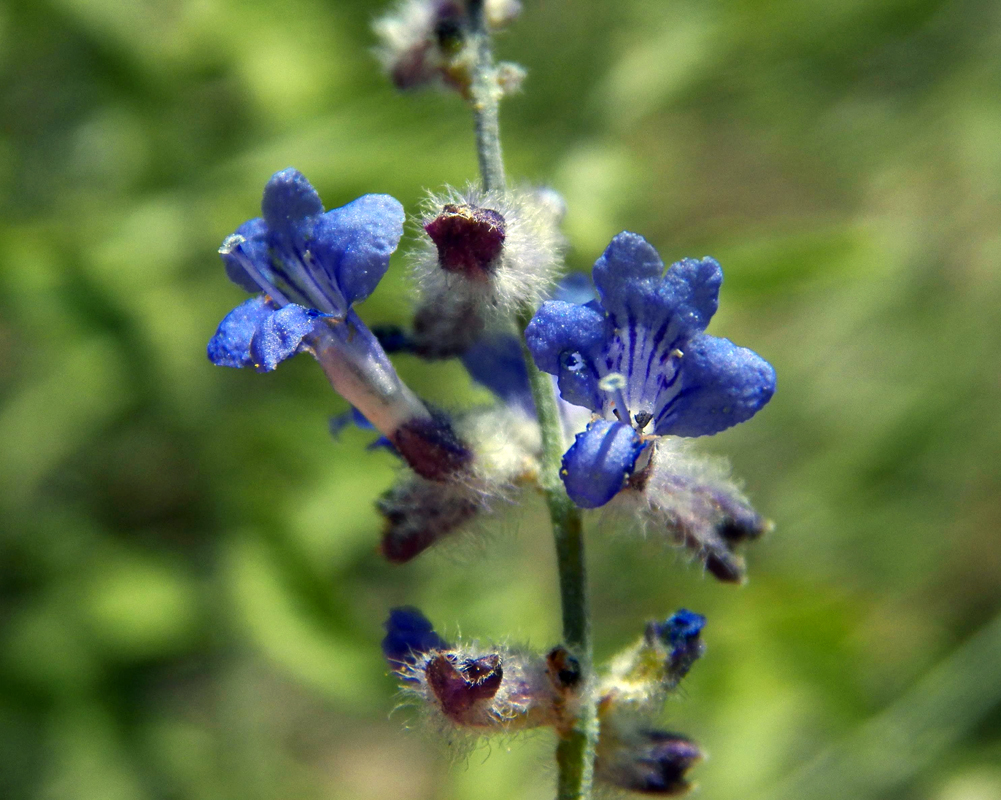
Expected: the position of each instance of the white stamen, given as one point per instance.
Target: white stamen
(613, 383)
(231, 246)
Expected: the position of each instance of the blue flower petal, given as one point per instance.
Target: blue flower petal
(721, 385)
(409, 634)
(289, 199)
(682, 627)
(599, 461)
(495, 360)
(352, 244)
(280, 335)
(230, 347)
(255, 248)
(633, 288)
(297, 254)
(575, 287)
(694, 286)
(566, 340)
(627, 259)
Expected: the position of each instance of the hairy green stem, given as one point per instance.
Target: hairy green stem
(485, 95)
(575, 752)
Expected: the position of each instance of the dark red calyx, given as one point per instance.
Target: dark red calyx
(469, 239)
(458, 685)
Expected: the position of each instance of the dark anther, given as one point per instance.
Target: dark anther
(642, 419)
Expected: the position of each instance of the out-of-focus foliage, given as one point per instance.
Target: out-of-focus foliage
(190, 595)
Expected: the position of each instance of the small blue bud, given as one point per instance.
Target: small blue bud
(681, 633)
(409, 635)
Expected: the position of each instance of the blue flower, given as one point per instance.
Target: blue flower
(311, 266)
(637, 356)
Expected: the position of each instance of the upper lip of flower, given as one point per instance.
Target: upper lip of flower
(647, 327)
(298, 254)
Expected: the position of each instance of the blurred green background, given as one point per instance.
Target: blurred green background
(190, 596)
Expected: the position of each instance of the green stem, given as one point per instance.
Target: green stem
(485, 95)
(575, 752)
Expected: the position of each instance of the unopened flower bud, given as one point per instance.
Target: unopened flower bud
(501, 12)
(641, 676)
(497, 250)
(460, 685)
(510, 77)
(421, 44)
(693, 501)
(424, 42)
(564, 668)
(681, 634)
(418, 513)
(641, 759)
(503, 445)
(483, 690)
(431, 447)
(469, 239)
